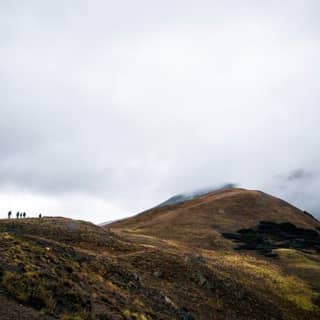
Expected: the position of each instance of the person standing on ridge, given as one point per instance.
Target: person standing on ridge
(18, 214)
(9, 214)
(24, 215)
(40, 215)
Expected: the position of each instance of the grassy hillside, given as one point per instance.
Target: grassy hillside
(201, 221)
(57, 268)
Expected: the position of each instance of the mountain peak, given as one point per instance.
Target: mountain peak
(195, 193)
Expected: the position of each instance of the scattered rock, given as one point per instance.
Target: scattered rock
(158, 274)
(170, 302)
(204, 282)
(136, 276)
(184, 315)
(195, 259)
(241, 295)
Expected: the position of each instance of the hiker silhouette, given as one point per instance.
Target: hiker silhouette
(24, 214)
(9, 214)
(40, 216)
(18, 214)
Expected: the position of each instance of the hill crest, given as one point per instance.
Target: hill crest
(202, 220)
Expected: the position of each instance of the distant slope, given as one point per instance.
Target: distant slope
(179, 198)
(201, 220)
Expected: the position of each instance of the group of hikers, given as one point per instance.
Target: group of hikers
(20, 215)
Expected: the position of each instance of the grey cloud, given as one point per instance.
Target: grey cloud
(299, 174)
(300, 186)
(132, 102)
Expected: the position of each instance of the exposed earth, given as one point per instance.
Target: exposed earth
(229, 254)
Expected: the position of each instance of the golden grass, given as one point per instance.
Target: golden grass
(305, 266)
(264, 276)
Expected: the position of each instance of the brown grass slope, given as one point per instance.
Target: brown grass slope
(198, 225)
(167, 263)
(202, 220)
(57, 268)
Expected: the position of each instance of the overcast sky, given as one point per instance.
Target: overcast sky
(110, 107)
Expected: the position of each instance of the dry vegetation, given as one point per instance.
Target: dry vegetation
(56, 268)
(212, 214)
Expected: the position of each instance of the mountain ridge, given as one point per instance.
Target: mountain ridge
(231, 254)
